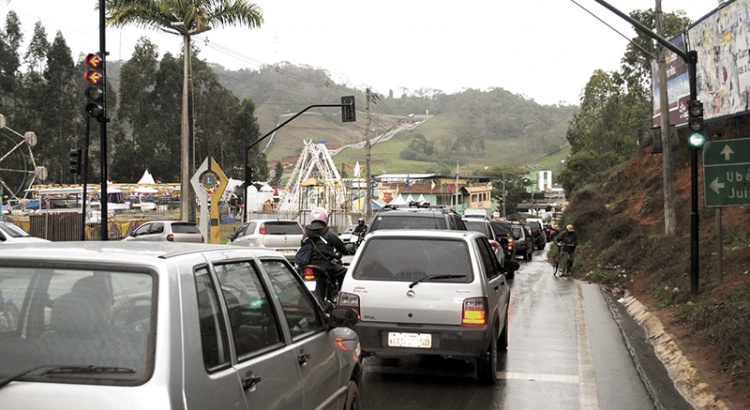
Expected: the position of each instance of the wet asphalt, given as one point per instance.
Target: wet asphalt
(571, 346)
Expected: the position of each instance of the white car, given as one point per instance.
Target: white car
(167, 231)
(282, 235)
(11, 233)
(159, 325)
(429, 292)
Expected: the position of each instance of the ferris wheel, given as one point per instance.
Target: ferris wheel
(18, 169)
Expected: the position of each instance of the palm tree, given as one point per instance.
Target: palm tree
(184, 18)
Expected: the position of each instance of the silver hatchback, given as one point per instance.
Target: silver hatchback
(283, 235)
(427, 292)
(135, 325)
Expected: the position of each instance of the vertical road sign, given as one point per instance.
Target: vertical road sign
(726, 172)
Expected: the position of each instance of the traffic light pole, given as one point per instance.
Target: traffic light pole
(346, 103)
(104, 233)
(691, 59)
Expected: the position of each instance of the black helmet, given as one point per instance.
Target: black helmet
(361, 220)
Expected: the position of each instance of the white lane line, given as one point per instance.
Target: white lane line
(539, 377)
(589, 397)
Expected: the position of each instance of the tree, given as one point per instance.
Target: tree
(278, 171)
(184, 18)
(10, 60)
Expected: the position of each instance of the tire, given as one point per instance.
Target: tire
(352, 397)
(555, 266)
(527, 255)
(487, 363)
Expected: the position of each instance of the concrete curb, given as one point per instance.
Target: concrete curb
(686, 377)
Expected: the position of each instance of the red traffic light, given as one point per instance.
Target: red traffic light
(93, 60)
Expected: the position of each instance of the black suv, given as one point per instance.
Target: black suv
(416, 215)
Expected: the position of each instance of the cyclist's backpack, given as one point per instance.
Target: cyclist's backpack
(303, 254)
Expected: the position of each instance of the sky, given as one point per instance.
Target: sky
(545, 50)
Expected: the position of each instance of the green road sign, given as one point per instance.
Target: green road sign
(726, 172)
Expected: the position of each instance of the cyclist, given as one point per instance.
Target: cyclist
(326, 245)
(566, 242)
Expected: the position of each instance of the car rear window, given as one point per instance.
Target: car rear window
(500, 228)
(410, 259)
(517, 233)
(408, 222)
(185, 228)
(479, 226)
(282, 228)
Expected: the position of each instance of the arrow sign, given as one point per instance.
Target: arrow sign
(726, 172)
(727, 152)
(715, 185)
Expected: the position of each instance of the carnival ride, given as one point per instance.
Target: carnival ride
(314, 182)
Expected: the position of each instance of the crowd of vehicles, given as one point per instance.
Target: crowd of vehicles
(254, 310)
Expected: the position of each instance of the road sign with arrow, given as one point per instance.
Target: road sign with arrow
(726, 172)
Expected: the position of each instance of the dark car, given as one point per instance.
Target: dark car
(416, 215)
(504, 235)
(537, 230)
(483, 226)
(522, 240)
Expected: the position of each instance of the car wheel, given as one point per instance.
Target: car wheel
(487, 364)
(352, 397)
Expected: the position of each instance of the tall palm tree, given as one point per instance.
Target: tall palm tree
(184, 18)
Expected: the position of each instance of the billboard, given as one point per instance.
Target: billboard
(721, 40)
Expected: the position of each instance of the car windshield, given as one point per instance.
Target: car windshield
(12, 230)
(78, 319)
(411, 259)
(408, 222)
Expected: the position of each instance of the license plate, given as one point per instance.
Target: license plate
(418, 340)
(288, 251)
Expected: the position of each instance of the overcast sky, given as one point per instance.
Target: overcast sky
(543, 49)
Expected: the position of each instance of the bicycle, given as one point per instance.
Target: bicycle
(561, 258)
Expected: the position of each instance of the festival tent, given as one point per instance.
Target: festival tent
(398, 201)
(147, 178)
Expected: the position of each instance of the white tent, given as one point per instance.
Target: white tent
(147, 178)
(398, 201)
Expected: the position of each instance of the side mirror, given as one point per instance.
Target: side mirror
(343, 317)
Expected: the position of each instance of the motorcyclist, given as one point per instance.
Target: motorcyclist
(326, 244)
(569, 240)
(360, 229)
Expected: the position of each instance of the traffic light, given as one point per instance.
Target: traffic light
(348, 114)
(94, 76)
(695, 123)
(248, 176)
(75, 160)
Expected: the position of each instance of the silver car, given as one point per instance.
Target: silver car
(136, 325)
(283, 235)
(11, 233)
(167, 231)
(430, 292)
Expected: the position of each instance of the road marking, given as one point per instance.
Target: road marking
(540, 377)
(589, 397)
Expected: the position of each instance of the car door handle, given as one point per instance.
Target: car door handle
(302, 358)
(250, 381)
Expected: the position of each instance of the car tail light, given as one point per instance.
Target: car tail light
(510, 243)
(170, 237)
(262, 229)
(347, 300)
(308, 273)
(495, 245)
(474, 312)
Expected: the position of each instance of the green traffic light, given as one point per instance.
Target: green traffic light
(696, 140)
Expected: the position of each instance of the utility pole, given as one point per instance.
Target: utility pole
(368, 172)
(670, 218)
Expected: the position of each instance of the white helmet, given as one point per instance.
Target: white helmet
(319, 214)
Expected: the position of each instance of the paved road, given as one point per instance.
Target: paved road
(570, 347)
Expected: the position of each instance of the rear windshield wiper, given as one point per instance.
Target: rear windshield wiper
(432, 277)
(56, 369)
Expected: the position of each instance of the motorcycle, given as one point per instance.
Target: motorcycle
(322, 285)
(353, 242)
